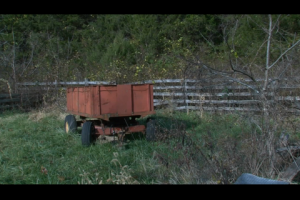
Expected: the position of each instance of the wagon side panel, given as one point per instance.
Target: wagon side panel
(141, 98)
(108, 99)
(88, 103)
(81, 100)
(124, 100)
(151, 97)
(75, 104)
(95, 105)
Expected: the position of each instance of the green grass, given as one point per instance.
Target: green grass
(34, 149)
(28, 146)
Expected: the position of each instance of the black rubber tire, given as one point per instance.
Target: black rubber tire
(70, 124)
(150, 130)
(87, 133)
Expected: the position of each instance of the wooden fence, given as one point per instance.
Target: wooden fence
(216, 95)
(20, 100)
(206, 94)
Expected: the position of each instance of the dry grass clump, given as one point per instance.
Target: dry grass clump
(121, 175)
(37, 115)
(218, 153)
(56, 109)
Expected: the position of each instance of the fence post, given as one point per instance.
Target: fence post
(185, 96)
(55, 85)
(201, 100)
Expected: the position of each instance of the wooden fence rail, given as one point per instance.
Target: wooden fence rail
(19, 100)
(204, 94)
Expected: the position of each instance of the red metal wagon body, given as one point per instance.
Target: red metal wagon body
(113, 107)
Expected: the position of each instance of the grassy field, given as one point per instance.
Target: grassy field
(191, 149)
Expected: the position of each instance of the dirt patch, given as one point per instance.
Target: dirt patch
(113, 140)
(105, 139)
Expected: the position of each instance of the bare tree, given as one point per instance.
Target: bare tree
(271, 74)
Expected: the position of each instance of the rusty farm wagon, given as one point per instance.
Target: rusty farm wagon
(109, 110)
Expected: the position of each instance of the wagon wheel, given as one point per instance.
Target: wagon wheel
(70, 124)
(88, 133)
(150, 130)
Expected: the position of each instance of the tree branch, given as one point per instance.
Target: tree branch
(233, 79)
(283, 54)
(268, 52)
(236, 70)
(217, 72)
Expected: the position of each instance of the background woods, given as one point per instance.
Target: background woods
(128, 48)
